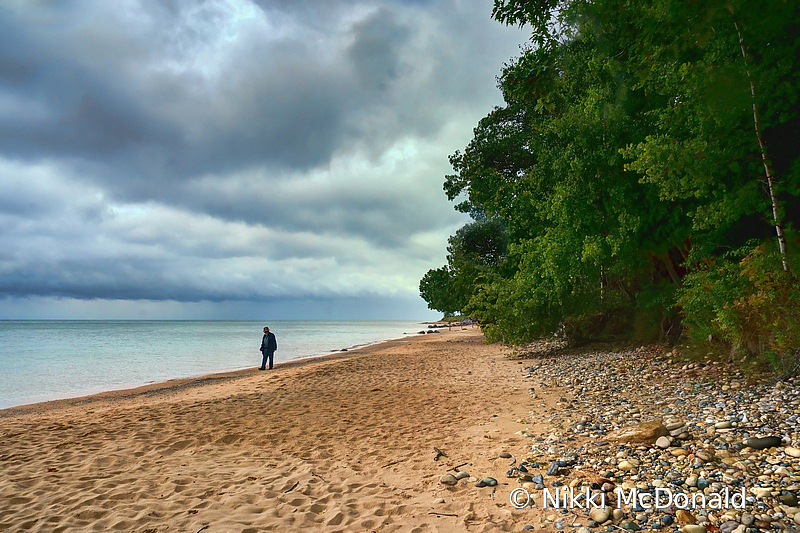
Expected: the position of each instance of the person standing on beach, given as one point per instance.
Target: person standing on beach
(268, 347)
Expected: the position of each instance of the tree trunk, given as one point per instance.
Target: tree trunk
(770, 177)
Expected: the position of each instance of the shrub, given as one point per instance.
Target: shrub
(747, 300)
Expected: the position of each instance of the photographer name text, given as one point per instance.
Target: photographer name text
(569, 498)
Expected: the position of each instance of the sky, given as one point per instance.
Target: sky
(234, 159)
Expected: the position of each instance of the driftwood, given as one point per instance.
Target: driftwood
(455, 468)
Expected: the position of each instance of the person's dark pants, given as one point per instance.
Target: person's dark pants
(267, 355)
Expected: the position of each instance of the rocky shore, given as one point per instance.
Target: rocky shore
(631, 425)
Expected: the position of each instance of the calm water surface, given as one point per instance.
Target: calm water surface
(44, 360)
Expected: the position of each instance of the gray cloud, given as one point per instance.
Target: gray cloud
(189, 150)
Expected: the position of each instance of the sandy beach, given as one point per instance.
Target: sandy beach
(352, 442)
(340, 443)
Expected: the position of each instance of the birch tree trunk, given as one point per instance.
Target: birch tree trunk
(770, 177)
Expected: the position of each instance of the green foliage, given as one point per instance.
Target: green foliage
(747, 300)
(624, 166)
(437, 287)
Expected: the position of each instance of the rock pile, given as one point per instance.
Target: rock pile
(635, 421)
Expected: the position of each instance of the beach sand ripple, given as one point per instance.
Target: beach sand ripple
(343, 443)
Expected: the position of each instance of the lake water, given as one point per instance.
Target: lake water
(51, 359)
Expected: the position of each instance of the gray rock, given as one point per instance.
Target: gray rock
(630, 525)
(486, 482)
(764, 442)
(728, 527)
(448, 479)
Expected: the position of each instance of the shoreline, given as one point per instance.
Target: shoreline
(344, 442)
(166, 386)
(87, 394)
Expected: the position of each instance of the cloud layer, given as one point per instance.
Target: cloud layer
(232, 150)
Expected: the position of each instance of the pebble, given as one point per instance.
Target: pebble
(600, 514)
(764, 442)
(663, 442)
(792, 452)
(734, 432)
(693, 528)
(486, 482)
(448, 479)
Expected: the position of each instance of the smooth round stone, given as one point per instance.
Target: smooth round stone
(462, 475)
(693, 528)
(723, 425)
(663, 442)
(506, 455)
(486, 482)
(630, 525)
(747, 519)
(691, 481)
(792, 452)
(764, 442)
(448, 479)
(600, 515)
(797, 519)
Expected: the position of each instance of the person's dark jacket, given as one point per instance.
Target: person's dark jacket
(268, 342)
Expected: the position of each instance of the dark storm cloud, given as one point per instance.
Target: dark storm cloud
(234, 150)
(262, 97)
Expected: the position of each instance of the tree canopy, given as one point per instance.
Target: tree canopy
(643, 171)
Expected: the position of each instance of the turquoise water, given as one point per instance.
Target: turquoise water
(45, 359)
